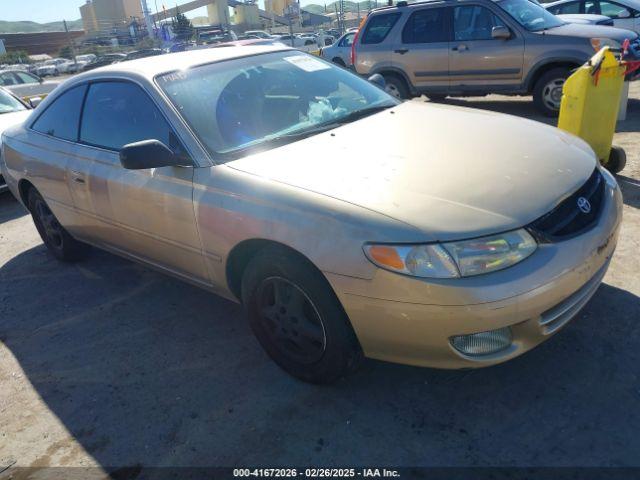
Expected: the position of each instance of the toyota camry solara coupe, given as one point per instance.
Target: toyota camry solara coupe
(346, 223)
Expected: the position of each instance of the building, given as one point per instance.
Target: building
(89, 21)
(109, 15)
(277, 7)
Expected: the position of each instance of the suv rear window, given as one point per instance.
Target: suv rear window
(379, 27)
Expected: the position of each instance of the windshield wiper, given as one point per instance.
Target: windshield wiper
(285, 138)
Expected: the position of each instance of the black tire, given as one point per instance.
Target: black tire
(297, 318)
(339, 61)
(547, 92)
(62, 245)
(617, 160)
(396, 86)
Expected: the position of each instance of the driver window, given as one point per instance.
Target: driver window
(118, 113)
(473, 22)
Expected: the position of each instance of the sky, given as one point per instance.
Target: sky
(43, 11)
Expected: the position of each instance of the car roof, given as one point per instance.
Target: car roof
(151, 66)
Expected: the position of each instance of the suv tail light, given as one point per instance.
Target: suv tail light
(353, 48)
(355, 39)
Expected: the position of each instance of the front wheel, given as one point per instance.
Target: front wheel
(617, 160)
(396, 86)
(547, 92)
(297, 318)
(62, 245)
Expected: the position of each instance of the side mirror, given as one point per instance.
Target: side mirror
(500, 33)
(149, 154)
(624, 13)
(35, 101)
(378, 80)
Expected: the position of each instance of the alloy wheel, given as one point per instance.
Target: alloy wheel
(392, 90)
(52, 229)
(552, 93)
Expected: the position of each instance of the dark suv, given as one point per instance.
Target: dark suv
(477, 47)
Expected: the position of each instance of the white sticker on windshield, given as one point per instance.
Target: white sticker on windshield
(307, 63)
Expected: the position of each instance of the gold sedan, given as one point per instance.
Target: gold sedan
(345, 222)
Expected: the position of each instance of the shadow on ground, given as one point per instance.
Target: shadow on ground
(630, 190)
(146, 370)
(10, 208)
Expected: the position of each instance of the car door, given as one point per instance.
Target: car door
(147, 214)
(622, 16)
(421, 49)
(52, 144)
(478, 59)
(344, 47)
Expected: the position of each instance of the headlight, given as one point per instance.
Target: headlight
(454, 259)
(597, 43)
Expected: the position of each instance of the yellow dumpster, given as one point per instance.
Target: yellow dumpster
(590, 103)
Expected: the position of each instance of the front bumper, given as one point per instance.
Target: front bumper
(408, 320)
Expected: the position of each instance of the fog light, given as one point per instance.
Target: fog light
(483, 343)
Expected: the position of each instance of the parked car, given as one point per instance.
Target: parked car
(216, 35)
(624, 13)
(26, 85)
(258, 34)
(474, 48)
(147, 52)
(80, 62)
(104, 60)
(13, 111)
(296, 41)
(54, 67)
(586, 19)
(340, 51)
(411, 246)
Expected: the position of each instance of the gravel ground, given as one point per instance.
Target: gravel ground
(106, 363)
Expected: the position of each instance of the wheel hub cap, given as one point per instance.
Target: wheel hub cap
(291, 320)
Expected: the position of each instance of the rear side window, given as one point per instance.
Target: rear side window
(119, 113)
(426, 26)
(379, 27)
(62, 117)
(473, 22)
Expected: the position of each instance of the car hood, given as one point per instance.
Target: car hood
(583, 18)
(449, 171)
(8, 120)
(591, 31)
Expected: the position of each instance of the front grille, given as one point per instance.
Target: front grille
(568, 219)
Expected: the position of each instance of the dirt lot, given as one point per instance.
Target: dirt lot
(107, 363)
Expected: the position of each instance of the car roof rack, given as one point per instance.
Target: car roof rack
(405, 3)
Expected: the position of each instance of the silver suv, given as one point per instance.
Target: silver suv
(477, 47)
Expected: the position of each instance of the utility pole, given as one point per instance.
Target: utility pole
(147, 18)
(73, 48)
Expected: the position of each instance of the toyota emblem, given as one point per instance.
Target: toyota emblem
(584, 205)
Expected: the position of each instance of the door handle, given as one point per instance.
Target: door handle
(401, 51)
(460, 48)
(77, 176)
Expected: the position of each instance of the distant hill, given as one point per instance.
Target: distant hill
(32, 27)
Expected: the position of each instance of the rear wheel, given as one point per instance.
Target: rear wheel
(339, 61)
(617, 160)
(62, 245)
(297, 318)
(396, 86)
(547, 92)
